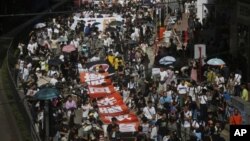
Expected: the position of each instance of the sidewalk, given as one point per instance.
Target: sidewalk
(8, 124)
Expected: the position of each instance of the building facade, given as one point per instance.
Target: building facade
(239, 35)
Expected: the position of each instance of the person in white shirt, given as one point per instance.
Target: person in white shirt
(32, 91)
(163, 78)
(29, 66)
(25, 74)
(182, 90)
(237, 83)
(187, 123)
(107, 41)
(38, 73)
(75, 42)
(52, 72)
(149, 111)
(95, 58)
(32, 46)
(49, 32)
(153, 133)
(145, 127)
(86, 108)
(53, 80)
(203, 105)
(125, 93)
(220, 80)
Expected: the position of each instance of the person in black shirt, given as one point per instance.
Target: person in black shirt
(112, 128)
(141, 136)
(162, 125)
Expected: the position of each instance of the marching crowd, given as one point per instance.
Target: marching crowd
(172, 105)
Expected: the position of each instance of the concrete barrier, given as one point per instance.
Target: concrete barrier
(244, 108)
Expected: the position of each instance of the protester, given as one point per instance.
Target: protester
(170, 105)
(236, 118)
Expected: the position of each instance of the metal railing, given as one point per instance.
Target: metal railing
(23, 104)
(21, 32)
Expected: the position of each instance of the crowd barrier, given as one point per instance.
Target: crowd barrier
(243, 107)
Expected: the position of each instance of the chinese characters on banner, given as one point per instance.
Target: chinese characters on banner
(126, 118)
(95, 79)
(110, 100)
(114, 110)
(97, 92)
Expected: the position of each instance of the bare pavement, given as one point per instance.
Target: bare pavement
(8, 126)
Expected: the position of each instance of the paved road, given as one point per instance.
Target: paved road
(8, 127)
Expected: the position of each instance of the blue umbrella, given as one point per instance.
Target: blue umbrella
(62, 39)
(55, 62)
(131, 42)
(47, 94)
(167, 60)
(150, 25)
(215, 62)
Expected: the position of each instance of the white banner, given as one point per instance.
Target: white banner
(103, 21)
(129, 127)
(199, 51)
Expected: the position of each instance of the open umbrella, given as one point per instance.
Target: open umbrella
(47, 94)
(150, 25)
(96, 23)
(132, 42)
(215, 62)
(68, 48)
(62, 39)
(55, 62)
(138, 21)
(40, 25)
(110, 29)
(167, 60)
(115, 23)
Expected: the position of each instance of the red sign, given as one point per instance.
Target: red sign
(126, 118)
(95, 79)
(98, 91)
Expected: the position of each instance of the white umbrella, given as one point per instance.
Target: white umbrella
(215, 62)
(40, 25)
(167, 60)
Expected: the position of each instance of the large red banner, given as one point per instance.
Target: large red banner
(99, 91)
(110, 103)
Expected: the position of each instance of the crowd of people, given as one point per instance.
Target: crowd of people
(172, 105)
